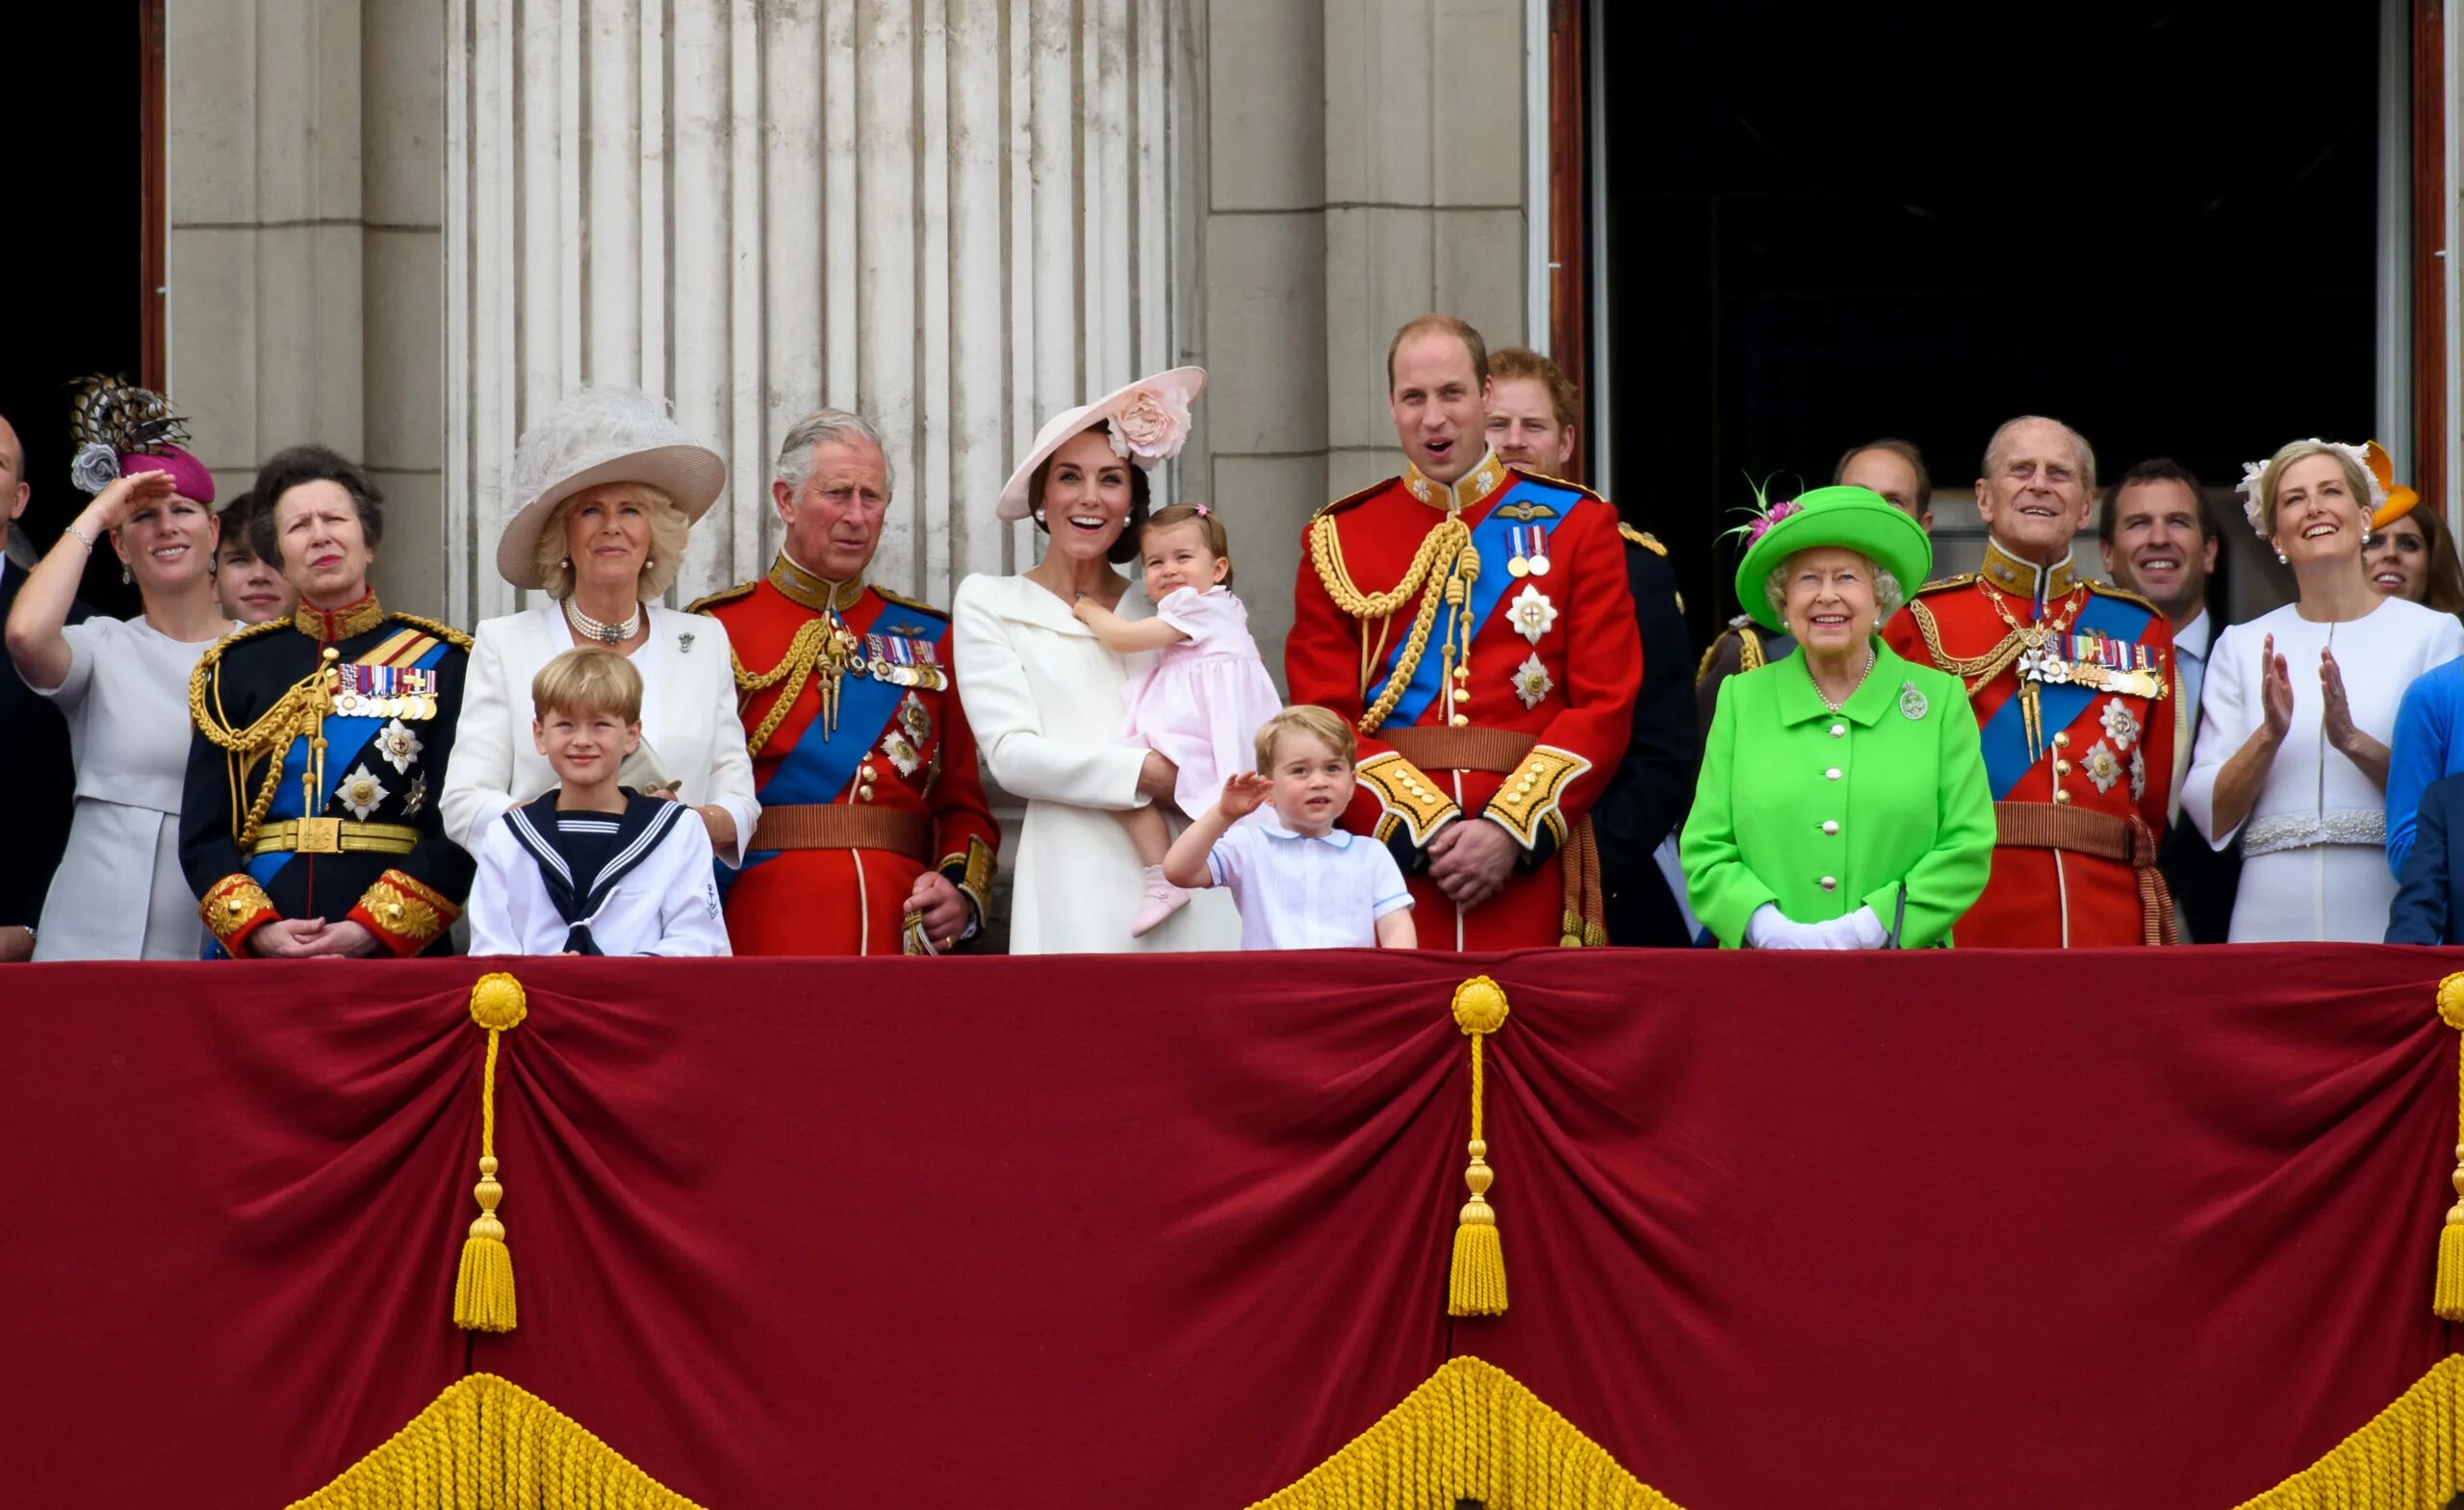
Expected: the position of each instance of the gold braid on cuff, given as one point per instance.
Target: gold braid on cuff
(1409, 797)
(232, 906)
(1527, 801)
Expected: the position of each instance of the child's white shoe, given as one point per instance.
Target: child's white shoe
(1163, 900)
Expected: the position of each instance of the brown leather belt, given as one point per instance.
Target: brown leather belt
(1449, 749)
(837, 826)
(2098, 835)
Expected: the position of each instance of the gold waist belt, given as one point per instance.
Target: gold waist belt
(334, 837)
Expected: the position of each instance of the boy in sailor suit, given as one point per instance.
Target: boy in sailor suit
(592, 867)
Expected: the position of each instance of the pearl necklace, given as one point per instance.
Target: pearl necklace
(590, 628)
(1870, 661)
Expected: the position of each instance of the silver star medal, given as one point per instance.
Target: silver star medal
(1912, 701)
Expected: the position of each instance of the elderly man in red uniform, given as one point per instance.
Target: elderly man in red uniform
(2071, 683)
(875, 836)
(1476, 624)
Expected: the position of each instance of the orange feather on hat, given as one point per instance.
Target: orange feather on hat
(2401, 500)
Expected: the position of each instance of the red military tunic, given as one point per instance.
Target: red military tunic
(866, 777)
(1481, 637)
(2071, 683)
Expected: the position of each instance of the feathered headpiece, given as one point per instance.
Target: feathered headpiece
(1764, 513)
(114, 422)
(2254, 475)
(2401, 499)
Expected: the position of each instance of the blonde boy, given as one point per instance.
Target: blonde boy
(593, 868)
(1299, 881)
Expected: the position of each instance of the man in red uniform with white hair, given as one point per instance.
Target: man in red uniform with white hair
(1474, 624)
(875, 836)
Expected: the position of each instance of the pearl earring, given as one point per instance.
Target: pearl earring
(124, 578)
(567, 563)
(2280, 559)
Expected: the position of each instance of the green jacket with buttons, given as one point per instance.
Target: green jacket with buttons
(1824, 812)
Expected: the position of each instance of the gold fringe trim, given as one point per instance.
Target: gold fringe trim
(487, 1444)
(2409, 1457)
(1475, 1278)
(1475, 1432)
(1472, 1432)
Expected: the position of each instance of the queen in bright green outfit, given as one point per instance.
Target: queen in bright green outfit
(1842, 802)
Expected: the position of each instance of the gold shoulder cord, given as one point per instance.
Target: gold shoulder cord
(1449, 542)
(1975, 669)
(819, 644)
(298, 712)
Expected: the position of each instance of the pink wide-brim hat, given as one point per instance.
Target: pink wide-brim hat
(188, 473)
(1188, 381)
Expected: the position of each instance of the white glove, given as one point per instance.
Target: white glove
(1771, 928)
(1859, 930)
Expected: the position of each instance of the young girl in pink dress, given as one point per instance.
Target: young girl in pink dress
(1200, 704)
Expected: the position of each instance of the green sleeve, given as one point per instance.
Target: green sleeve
(1947, 879)
(1723, 892)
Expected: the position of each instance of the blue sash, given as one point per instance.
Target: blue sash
(2005, 734)
(348, 737)
(1489, 538)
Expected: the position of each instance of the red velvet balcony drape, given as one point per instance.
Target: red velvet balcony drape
(1957, 1229)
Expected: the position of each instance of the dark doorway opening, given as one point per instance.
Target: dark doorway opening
(80, 295)
(1825, 225)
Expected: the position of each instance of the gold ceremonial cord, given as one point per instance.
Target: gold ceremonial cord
(292, 715)
(1449, 541)
(812, 637)
(1975, 671)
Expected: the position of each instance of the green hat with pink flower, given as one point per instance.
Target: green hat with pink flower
(1850, 518)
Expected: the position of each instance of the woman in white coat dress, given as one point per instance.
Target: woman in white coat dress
(612, 486)
(1045, 696)
(2299, 705)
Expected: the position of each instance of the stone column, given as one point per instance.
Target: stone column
(304, 244)
(953, 216)
(1363, 164)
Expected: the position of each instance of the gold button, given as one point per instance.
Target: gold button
(2062, 768)
(2061, 797)
(394, 912)
(864, 794)
(1460, 720)
(1830, 883)
(2062, 741)
(1831, 775)
(1839, 730)
(869, 773)
(236, 907)
(1831, 826)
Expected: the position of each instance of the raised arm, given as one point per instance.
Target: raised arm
(2246, 708)
(1125, 636)
(36, 644)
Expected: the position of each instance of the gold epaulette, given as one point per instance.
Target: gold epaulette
(1350, 498)
(1641, 537)
(1943, 584)
(905, 601)
(725, 595)
(1749, 650)
(2124, 593)
(436, 626)
(1566, 484)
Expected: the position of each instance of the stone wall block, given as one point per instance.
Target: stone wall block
(1266, 306)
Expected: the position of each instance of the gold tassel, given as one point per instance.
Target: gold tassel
(1476, 1281)
(2449, 1299)
(483, 1287)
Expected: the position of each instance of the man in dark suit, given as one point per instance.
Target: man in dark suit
(2159, 540)
(2427, 909)
(34, 767)
(1532, 414)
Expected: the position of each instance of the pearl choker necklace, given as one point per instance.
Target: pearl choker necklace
(1852, 691)
(590, 628)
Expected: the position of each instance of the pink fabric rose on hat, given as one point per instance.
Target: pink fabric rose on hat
(1151, 425)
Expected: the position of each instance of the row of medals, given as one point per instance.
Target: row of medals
(356, 694)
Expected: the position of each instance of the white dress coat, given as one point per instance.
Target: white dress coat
(2314, 862)
(688, 718)
(668, 905)
(1045, 699)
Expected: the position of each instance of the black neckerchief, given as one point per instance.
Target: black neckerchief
(639, 830)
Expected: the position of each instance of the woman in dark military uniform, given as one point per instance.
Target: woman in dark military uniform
(309, 823)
